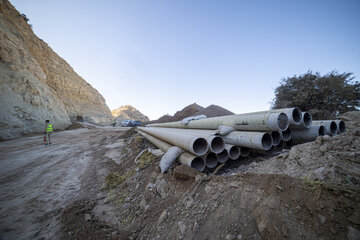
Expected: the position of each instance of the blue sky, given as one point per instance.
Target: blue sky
(160, 56)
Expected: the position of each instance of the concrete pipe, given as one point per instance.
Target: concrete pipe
(307, 135)
(306, 121)
(233, 151)
(293, 114)
(211, 159)
(330, 126)
(244, 151)
(242, 122)
(193, 144)
(276, 137)
(340, 126)
(186, 158)
(286, 135)
(255, 140)
(223, 156)
(216, 143)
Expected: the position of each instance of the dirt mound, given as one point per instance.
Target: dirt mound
(193, 110)
(214, 111)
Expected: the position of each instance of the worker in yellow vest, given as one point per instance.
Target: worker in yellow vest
(47, 131)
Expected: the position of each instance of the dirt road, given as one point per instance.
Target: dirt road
(38, 181)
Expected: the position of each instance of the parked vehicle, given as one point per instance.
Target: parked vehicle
(126, 123)
(136, 123)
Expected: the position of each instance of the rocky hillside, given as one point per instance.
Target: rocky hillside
(36, 84)
(129, 112)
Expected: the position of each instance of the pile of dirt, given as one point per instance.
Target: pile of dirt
(214, 111)
(193, 110)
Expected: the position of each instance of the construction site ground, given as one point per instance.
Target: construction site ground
(102, 183)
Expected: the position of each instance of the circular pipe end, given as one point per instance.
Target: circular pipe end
(286, 135)
(217, 144)
(296, 115)
(322, 131)
(266, 141)
(276, 137)
(342, 126)
(282, 121)
(200, 146)
(223, 156)
(333, 127)
(307, 119)
(234, 152)
(198, 163)
(211, 160)
(244, 151)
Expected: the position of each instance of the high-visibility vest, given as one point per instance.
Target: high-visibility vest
(49, 128)
(114, 121)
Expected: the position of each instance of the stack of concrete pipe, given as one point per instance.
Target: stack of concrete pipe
(206, 144)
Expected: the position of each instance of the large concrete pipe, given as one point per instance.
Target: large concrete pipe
(306, 121)
(223, 156)
(276, 137)
(286, 134)
(244, 151)
(330, 126)
(211, 159)
(307, 135)
(255, 140)
(216, 143)
(242, 122)
(340, 126)
(233, 151)
(190, 143)
(186, 158)
(293, 114)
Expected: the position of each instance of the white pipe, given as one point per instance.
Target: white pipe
(330, 126)
(193, 144)
(307, 135)
(233, 151)
(186, 158)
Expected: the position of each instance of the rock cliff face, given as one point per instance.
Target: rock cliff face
(129, 112)
(36, 84)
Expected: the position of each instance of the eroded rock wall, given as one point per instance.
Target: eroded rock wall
(36, 84)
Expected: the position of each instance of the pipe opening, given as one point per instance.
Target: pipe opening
(223, 156)
(200, 146)
(283, 121)
(276, 137)
(342, 126)
(211, 160)
(333, 127)
(244, 151)
(296, 115)
(266, 141)
(217, 144)
(286, 135)
(307, 119)
(234, 152)
(198, 163)
(322, 131)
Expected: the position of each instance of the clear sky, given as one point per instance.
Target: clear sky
(160, 56)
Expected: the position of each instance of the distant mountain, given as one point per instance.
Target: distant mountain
(129, 112)
(193, 110)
